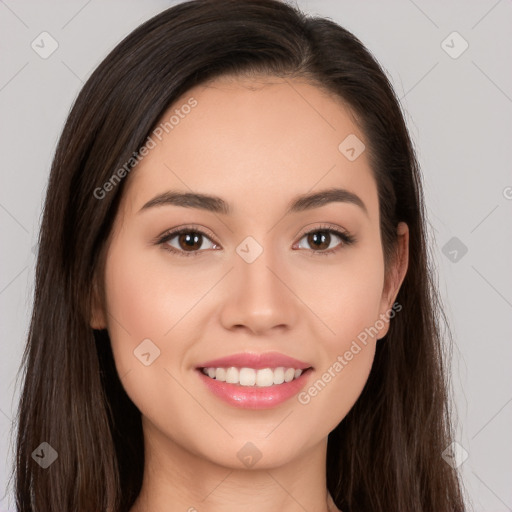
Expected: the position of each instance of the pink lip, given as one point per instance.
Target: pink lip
(248, 397)
(256, 361)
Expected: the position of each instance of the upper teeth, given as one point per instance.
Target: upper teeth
(251, 377)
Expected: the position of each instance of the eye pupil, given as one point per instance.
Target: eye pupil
(190, 241)
(318, 238)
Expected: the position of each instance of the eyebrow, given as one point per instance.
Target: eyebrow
(218, 205)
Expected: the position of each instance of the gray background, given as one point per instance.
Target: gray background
(459, 114)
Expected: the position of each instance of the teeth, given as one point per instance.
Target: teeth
(232, 375)
(251, 377)
(289, 374)
(264, 378)
(279, 375)
(247, 377)
(220, 374)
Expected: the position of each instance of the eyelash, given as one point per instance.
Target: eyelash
(346, 240)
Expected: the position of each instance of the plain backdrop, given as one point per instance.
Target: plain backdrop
(456, 92)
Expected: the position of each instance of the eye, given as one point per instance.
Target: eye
(326, 240)
(190, 241)
(186, 241)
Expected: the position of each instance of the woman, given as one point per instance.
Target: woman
(234, 308)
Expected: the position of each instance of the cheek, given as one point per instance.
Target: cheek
(145, 303)
(336, 388)
(344, 295)
(349, 310)
(346, 299)
(146, 296)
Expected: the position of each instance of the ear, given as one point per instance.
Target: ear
(98, 317)
(395, 277)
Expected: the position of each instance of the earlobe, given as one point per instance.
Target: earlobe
(97, 321)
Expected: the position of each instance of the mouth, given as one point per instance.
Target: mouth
(254, 381)
(254, 377)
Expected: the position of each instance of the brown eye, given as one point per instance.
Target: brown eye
(319, 240)
(325, 241)
(187, 242)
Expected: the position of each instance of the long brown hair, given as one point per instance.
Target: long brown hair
(386, 454)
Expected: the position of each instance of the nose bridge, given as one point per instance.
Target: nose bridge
(257, 278)
(259, 299)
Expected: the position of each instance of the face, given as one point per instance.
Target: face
(269, 282)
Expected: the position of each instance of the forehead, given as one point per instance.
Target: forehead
(253, 137)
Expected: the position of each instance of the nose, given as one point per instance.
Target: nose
(260, 298)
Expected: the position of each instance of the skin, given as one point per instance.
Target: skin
(257, 143)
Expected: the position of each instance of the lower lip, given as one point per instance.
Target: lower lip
(254, 397)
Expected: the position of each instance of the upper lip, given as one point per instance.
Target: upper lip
(256, 361)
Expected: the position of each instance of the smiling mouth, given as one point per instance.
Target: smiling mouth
(252, 377)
